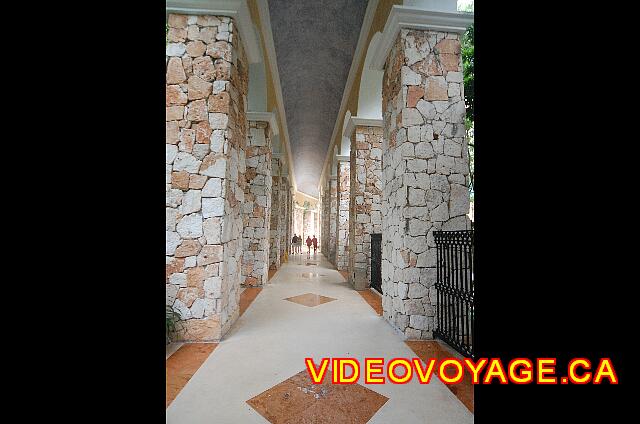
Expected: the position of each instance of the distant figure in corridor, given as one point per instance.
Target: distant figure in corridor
(308, 246)
(314, 240)
(294, 244)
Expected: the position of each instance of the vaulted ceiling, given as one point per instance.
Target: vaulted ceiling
(315, 42)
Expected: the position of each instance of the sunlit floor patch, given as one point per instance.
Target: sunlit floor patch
(298, 400)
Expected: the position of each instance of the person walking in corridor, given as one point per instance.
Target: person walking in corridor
(314, 240)
(308, 246)
(294, 244)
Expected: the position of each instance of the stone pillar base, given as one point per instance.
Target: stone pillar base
(359, 279)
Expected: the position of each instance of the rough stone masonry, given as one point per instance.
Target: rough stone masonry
(206, 86)
(285, 216)
(425, 169)
(257, 206)
(342, 236)
(276, 206)
(365, 204)
(326, 216)
(333, 218)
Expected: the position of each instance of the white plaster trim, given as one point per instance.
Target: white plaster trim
(416, 18)
(269, 117)
(315, 199)
(236, 9)
(361, 50)
(354, 121)
(267, 36)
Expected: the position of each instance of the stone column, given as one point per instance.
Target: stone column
(316, 222)
(206, 87)
(284, 218)
(333, 218)
(306, 224)
(277, 209)
(326, 214)
(298, 225)
(291, 215)
(342, 236)
(257, 206)
(365, 200)
(425, 168)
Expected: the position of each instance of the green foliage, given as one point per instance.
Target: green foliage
(467, 47)
(467, 68)
(171, 317)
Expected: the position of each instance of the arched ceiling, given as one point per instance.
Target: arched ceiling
(315, 42)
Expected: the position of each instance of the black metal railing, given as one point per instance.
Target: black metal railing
(455, 288)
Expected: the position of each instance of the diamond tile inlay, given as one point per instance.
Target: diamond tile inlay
(298, 400)
(310, 299)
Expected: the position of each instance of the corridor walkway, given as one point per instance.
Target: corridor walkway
(268, 344)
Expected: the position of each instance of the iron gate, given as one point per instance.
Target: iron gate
(455, 289)
(376, 262)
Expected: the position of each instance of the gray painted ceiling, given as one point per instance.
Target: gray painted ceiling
(314, 42)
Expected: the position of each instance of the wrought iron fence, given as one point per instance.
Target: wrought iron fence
(455, 289)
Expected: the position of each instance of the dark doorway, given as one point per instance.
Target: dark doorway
(376, 262)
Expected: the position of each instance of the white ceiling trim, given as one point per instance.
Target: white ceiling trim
(354, 121)
(269, 117)
(415, 18)
(236, 9)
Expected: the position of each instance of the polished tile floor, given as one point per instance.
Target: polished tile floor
(257, 373)
(298, 400)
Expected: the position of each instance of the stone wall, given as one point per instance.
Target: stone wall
(206, 86)
(326, 214)
(298, 224)
(342, 248)
(425, 166)
(290, 215)
(285, 217)
(257, 206)
(276, 217)
(365, 201)
(309, 225)
(333, 218)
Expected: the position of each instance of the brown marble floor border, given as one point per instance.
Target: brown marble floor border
(247, 297)
(372, 299)
(183, 364)
(427, 349)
